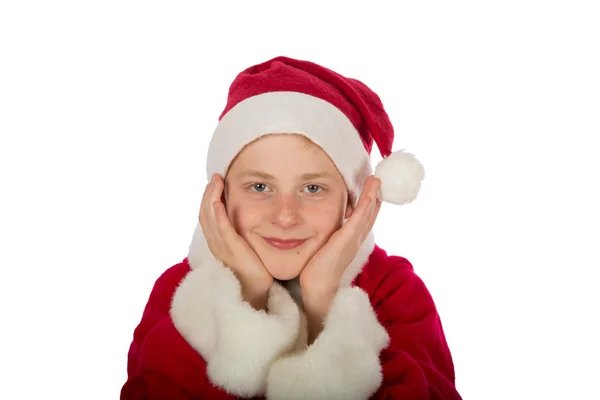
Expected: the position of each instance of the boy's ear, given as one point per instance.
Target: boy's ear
(224, 194)
(349, 208)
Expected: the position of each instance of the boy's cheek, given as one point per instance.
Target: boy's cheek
(327, 217)
(245, 217)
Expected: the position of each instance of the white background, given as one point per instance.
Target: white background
(106, 109)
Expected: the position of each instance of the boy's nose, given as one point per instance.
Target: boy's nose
(286, 211)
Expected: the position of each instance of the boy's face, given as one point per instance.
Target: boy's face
(286, 198)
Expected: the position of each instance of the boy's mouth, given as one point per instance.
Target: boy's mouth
(284, 244)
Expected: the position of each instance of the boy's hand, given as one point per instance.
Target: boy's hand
(230, 248)
(321, 277)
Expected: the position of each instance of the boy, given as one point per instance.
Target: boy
(284, 293)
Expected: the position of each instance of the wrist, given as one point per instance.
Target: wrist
(256, 297)
(318, 297)
(316, 307)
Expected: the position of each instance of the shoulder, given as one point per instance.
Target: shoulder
(383, 269)
(171, 277)
(393, 286)
(164, 288)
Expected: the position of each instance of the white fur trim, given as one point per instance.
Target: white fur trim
(359, 261)
(291, 112)
(209, 313)
(237, 342)
(401, 175)
(343, 363)
(199, 251)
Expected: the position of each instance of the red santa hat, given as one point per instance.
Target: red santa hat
(339, 114)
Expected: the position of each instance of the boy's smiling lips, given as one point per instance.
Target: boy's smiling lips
(284, 244)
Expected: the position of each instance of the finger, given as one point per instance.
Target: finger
(370, 188)
(214, 194)
(206, 205)
(210, 225)
(366, 220)
(217, 187)
(373, 218)
(373, 188)
(369, 196)
(359, 219)
(202, 210)
(361, 208)
(365, 189)
(223, 224)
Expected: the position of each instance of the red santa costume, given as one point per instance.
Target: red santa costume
(382, 338)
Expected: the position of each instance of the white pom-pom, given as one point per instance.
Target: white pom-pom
(401, 175)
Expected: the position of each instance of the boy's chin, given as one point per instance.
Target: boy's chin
(284, 271)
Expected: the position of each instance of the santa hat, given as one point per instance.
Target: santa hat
(339, 114)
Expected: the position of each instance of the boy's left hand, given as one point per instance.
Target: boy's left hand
(320, 279)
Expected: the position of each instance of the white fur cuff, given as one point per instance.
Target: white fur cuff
(237, 342)
(343, 363)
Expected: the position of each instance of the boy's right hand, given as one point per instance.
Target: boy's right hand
(230, 248)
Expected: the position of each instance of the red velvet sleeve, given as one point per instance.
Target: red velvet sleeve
(161, 364)
(417, 364)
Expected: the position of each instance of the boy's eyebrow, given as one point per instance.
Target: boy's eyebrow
(263, 175)
(254, 173)
(315, 175)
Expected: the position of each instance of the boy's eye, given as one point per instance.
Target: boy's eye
(259, 187)
(313, 188)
